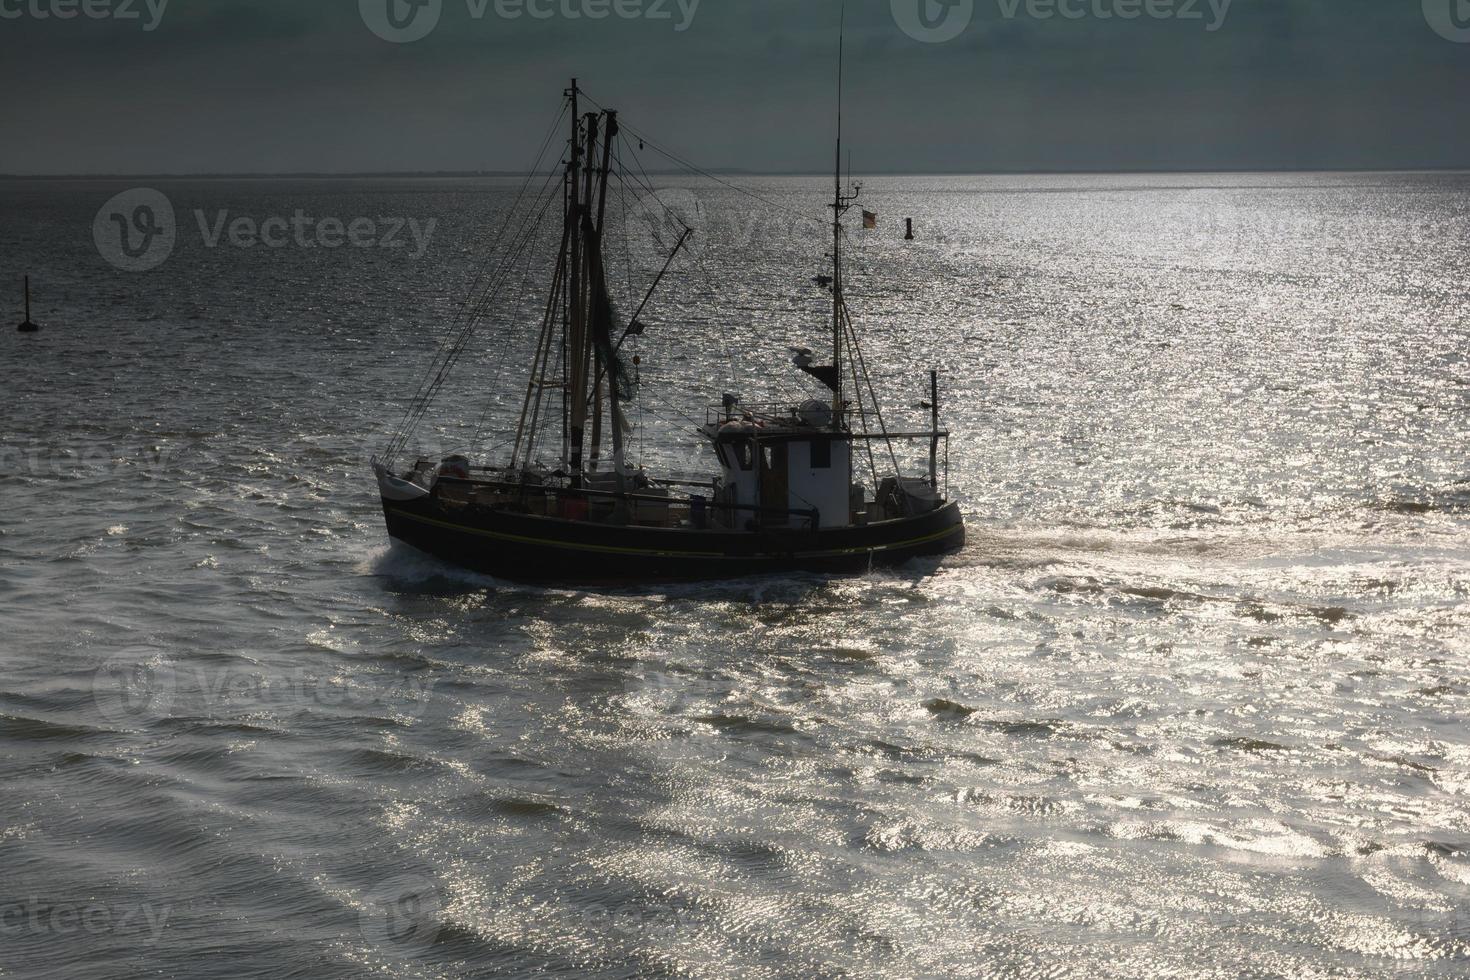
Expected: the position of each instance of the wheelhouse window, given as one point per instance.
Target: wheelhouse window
(733, 454)
(822, 455)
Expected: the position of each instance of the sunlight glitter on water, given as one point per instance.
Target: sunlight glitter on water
(1190, 701)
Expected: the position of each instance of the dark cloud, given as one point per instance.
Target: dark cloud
(295, 85)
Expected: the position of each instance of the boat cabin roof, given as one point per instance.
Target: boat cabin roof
(811, 420)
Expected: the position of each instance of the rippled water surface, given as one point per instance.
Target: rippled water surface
(1190, 703)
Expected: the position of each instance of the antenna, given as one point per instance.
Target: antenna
(838, 206)
(843, 202)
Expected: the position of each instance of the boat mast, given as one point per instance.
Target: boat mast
(575, 396)
(837, 209)
(581, 344)
(589, 247)
(841, 202)
(601, 297)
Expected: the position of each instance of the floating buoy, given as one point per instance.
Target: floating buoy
(26, 326)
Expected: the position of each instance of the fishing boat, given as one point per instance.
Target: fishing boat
(811, 484)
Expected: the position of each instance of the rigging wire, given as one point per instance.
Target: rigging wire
(474, 286)
(493, 277)
(527, 290)
(686, 165)
(652, 195)
(703, 264)
(472, 311)
(543, 340)
(450, 357)
(447, 356)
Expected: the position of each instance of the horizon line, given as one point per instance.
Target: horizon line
(449, 174)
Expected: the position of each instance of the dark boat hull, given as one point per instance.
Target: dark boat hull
(523, 547)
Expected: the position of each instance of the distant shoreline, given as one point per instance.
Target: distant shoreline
(494, 174)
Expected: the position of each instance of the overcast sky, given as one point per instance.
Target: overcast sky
(212, 86)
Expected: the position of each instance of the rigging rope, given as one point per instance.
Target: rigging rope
(693, 168)
(492, 278)
(450, 356)
(468, 311)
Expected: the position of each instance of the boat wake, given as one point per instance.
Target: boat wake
(405, 569)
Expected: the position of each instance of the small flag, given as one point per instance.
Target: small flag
(870, 219)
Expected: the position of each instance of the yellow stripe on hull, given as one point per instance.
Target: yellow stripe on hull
(647, 553)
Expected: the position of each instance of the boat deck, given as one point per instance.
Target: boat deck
(645, 503)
